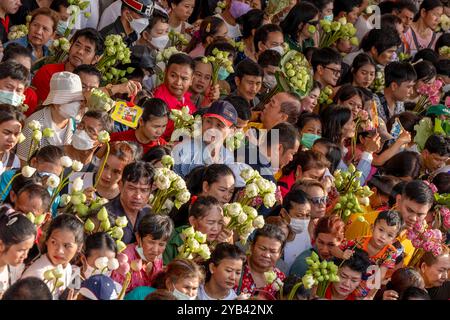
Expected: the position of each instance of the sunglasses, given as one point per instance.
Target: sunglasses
(318, 200)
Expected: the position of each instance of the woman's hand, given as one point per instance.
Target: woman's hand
(404, 138)
(131, 88)
(347, 254)
(225, 236)
(390, 295)
(372, 144)
(213, 93)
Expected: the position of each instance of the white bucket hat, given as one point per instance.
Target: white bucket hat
(65, 87)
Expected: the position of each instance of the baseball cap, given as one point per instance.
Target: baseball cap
(438, 110)
(99, 287)
(143, 7)
(65, 87)
(224, 111)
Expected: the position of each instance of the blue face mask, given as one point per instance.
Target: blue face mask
(11, 97)
(308, 139)
(328, 18)
(223, 73)
(61, 27)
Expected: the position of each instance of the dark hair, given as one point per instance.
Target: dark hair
(414, 293)
(36, 191)
(222, 44)
(249, 21)
(157, 16)
(299, 15)
(306, 117)
(155, 154)
(438, 144)
(241, 105)
(57, 3)
(104, 118)
(30, 288)
(389, 20)
(135, 171)
(419, 192)
(160, 227)
(427, 5)
(99, 241)
(405, 4)
(345, 6)
(358, 262)
(442, 182)
(19, 182)
(392, 218)
(333, 120)
(307, 160)
(334, 153)
(269, 58)
(181, 59)
(10, 113)
(443, 67)
(14, 70)
(287, 135)
(362, 60)
(403, 164)
(383, 184)
(262, 34)
(320, 4)
(399, 72)
(93, 36)
(381, 40)
(248, 67)
(387, 6)
(404, 278)
(426, 55)
(154, 108)
(270, 231)
(160, 294)
(442, 41)
(200, 207)
(210, 174)
(397, 189)
(88, 69)
(346, 92)
(224, 251)
(324, 57)
(425, 70)
(208, 28)
(15, 50)
(294, 196)
(67, 222)
(49, 154)
(14, 227)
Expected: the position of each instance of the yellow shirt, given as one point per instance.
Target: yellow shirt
(408, 248)
(257, 125)
(356, 229)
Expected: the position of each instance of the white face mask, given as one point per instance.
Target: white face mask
(278, 49)
(446, 88)
(70, 110)
(140, 252)
(11, 97)
(270, 81)
(139, 25)
(299, 225)
(148, 82)
(82, 141)
(182, 296)
(160, 42)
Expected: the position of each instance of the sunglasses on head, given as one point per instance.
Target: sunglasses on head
(318, 200)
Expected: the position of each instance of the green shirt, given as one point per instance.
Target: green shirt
(294, 45)
(174, 242)
(139, 293)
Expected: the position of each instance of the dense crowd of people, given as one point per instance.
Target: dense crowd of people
(224, 150)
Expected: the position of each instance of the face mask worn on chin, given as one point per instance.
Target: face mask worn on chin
(160, 42)
(61, 27)
(70, 110)
(329, 18)
(308, 139)
(139, 25)
(82, 141)
(223, 73)
(140, 252)
(181, 296)
(11, 97)
(148, 82)
(299, 225)
(238, 8)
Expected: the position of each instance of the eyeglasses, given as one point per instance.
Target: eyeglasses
(336, 72)
(318, 200)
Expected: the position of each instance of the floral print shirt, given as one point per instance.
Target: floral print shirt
(248, 285)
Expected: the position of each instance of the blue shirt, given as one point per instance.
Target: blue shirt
(139, 293)
(25, 43)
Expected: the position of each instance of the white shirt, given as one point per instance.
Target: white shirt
(40, 266)
(88, 179)
(202, 295)
(91, 22)
(5, 160)
(294, 248)
(110, 14)
(233, 31)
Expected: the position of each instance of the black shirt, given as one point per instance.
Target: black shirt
(115, 209)
(20, 17)
(4, 31)
(440, 293)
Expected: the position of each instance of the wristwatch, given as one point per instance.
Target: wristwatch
(108, 88)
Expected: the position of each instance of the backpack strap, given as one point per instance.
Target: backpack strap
(10, 161)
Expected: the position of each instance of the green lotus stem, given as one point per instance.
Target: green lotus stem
(294, 290)
(58, 190)
(30, 152)
(102, 167)
(9, 184)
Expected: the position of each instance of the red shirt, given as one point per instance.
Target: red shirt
(31, 100)
(41, 80)
(328, 295)
(248, 285)
(130, 135)
(163, 93)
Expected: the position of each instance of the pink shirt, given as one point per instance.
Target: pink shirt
(141, 278)
(198, 51)
(423, 43)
